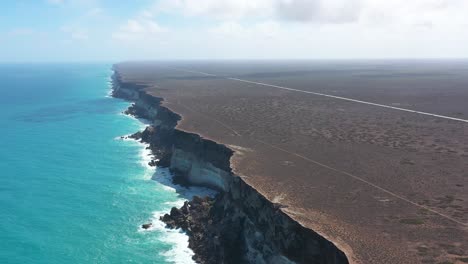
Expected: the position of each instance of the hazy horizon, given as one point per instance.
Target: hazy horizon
(343, 60)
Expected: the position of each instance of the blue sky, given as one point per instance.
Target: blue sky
(104, 30)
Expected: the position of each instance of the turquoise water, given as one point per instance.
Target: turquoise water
(71, 191)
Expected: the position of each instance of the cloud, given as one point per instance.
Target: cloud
(218, 9)
(264, 29)
(93, 12)
(328, 11)
(21, 32)
(75, 33)
(261, 28)
(55, 2)
(414, 13)
(394, 12)
(85, 23)
(143, 26)
(322, 11)
(79, 35)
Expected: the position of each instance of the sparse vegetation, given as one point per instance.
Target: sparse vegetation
(412, 221)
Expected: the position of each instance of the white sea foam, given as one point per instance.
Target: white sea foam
(146, 156)
(110, 90)
(144, 122)
(179, 241)
(124, 138)
(109, 93)
(179, 252)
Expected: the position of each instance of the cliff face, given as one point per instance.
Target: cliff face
(239, 225)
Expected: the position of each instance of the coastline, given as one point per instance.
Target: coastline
(268, 234)
(180, 251)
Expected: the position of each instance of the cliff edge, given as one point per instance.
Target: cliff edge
(239, 225)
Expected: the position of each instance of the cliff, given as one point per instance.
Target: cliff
(239, 225)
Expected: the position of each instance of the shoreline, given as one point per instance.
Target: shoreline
(261, 218)
(178, 238)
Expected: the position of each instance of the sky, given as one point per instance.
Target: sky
(106, 30)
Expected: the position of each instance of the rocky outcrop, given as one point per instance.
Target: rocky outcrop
(239, 225)
(147, 226)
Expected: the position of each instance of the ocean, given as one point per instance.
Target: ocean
(71, 190)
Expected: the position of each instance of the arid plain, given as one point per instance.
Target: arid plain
(386, 185)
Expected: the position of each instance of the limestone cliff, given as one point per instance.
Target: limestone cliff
(239, 225)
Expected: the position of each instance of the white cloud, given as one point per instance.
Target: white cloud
(323, 11)
(229, 28)
(219, 9)
(268, 29)
(298, 29)
(138, 28)
(415, 15)
(93, 12)
(79, 36)
(87, 17)
(75, 33)
(55, 2)
(21, 32)
(406, 12)
(330, 11)
(264, 29)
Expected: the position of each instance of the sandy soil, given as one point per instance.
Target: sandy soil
(387, 186)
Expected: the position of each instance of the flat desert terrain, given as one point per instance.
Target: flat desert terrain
(338, 146)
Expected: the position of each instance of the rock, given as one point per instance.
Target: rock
(175, 212)
(146, 226)
(136, 136)
(165, 161)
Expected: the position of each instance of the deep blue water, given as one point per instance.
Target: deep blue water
(71, 191)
